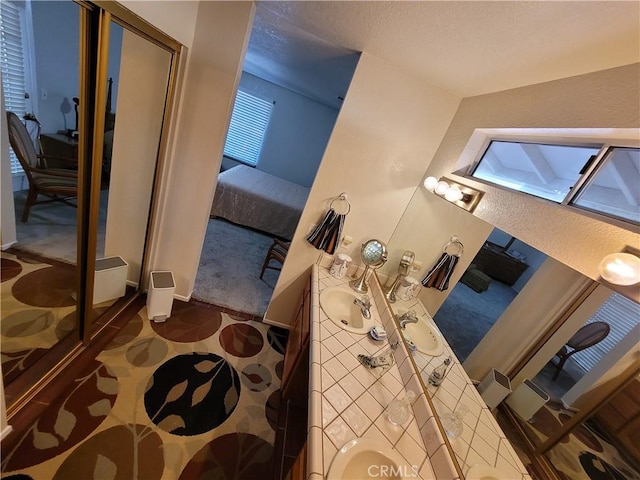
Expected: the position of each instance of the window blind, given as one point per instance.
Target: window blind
(248, 125)
(622, 315)
(12, 64)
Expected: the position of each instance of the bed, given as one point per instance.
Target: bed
(256, 199)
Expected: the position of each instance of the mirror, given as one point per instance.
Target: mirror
(45, 314)
(373, 254)
(425, 228)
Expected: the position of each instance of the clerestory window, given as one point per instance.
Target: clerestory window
(599, 177)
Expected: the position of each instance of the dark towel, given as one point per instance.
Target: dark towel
(326, 235)
(441, 272)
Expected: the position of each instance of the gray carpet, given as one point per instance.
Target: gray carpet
(466, 316)
(51, 228)
(229, 269)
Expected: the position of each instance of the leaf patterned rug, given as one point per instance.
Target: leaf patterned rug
(194, 397)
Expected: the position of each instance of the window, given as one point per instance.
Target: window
(546, 171)
(15, 74)
(584, 168)
(248, 125)
(614, 189)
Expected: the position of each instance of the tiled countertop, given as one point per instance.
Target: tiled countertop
(348, 401)
(482, 440)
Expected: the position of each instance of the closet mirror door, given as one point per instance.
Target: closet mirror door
(41, 68)
(136, 84)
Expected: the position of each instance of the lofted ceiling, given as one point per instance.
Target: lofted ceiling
(465, 47)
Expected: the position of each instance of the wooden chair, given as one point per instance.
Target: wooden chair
(586, 337)
(277, 251)
(58, 185)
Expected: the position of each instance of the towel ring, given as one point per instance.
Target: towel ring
(341, 197)
(455, 242)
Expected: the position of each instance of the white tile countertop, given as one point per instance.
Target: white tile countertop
(482, 441)
(348, 401)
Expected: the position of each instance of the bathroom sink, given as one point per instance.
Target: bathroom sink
(424, 336)
(365, 458)
(337, 303)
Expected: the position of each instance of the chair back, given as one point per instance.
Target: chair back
(589, 335)
(21, 143)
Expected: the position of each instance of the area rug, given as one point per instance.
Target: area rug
(51, 228)
(466, 316)
(194, 397)
(38, 310)
(584, 454)
(229, 271)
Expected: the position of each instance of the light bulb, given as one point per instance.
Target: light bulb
(442, 187)
(620, 269)
(453, 194)
(430, 183)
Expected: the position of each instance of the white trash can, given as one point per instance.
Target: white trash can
(110, 280)
(160, 296)
(494, 388)
(527, 399)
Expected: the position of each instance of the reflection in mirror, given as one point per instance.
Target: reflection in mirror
(39, 269)
(554, 302)
(138, 78)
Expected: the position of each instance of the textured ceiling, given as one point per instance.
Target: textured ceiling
(467, 48)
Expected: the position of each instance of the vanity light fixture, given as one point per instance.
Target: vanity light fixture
(621, 268)
(461, 195)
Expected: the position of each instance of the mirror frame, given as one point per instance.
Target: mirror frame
(436, 415)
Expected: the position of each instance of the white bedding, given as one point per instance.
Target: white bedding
(256, 199)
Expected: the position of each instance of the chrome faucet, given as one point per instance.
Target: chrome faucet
(365, 306)
(408, 317)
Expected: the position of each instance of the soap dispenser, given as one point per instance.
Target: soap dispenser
(398, 410)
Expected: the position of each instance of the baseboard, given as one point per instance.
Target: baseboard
(182, 297)
(5, 431)
(8, 245)
(276, 324)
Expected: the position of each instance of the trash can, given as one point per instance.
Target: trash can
(160, 296)
(494, 388)
(110, 280)
(527, 399)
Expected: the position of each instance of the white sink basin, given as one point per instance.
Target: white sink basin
(424, 336)
(365, 458)
(337, 303)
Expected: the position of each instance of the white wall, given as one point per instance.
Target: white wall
(542, 299)
(56, 31)
(390, 125)
(135, 148)
(575, 240)
(297, 134)
(56, 34)
(212, 74)
(562, 233)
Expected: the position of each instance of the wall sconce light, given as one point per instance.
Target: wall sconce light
(461, 195)
(621, 268)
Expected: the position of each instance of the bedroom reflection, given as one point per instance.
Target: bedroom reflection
(256, 204)
(38, 270)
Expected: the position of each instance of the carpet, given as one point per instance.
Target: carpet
(466, 316)
(194, 397)
(51, 228)
(229, 270)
